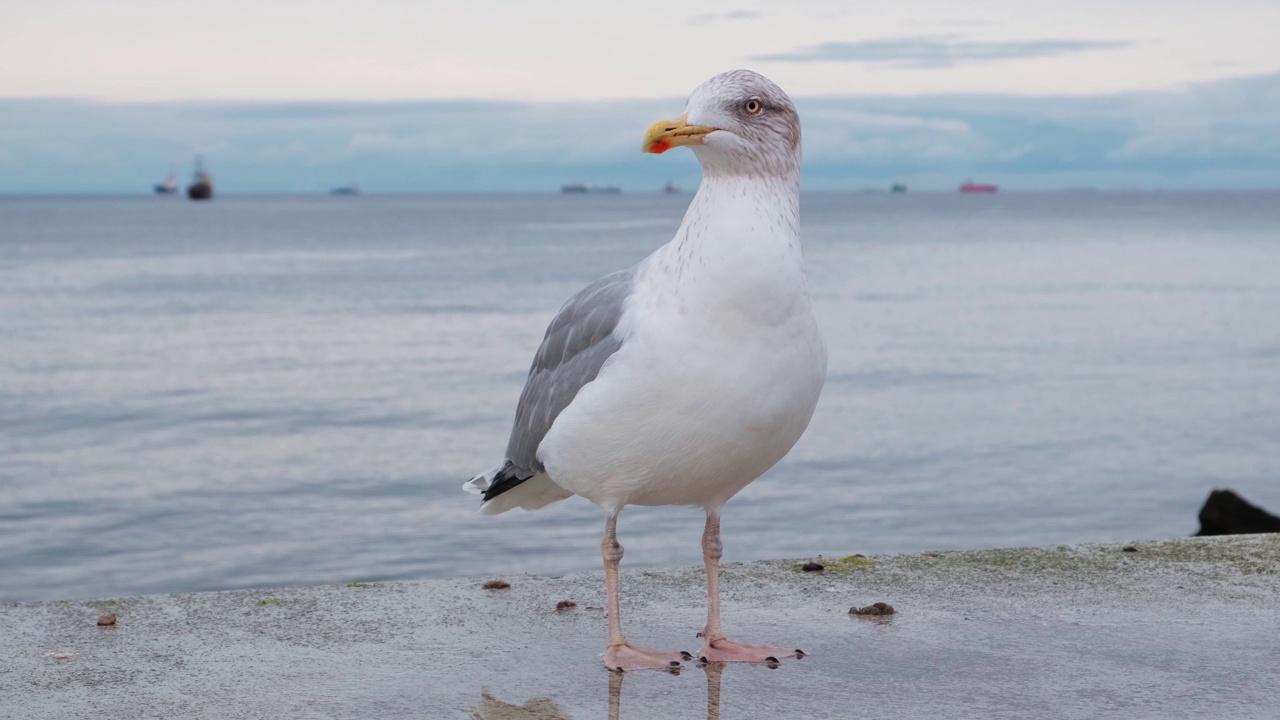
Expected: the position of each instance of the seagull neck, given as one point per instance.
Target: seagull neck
(737, 253)
(735, 214)
(716, 181)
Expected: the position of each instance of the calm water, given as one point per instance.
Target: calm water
(264, 391)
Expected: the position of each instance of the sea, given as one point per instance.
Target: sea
(266, 391)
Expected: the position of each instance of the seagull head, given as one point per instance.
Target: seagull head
(737, 123)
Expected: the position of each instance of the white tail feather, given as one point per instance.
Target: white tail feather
(478, 484)
(536, 492)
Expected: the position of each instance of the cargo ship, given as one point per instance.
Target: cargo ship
(969, 186)
(583, 189)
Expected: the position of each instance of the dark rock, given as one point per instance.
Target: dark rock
(879, 608)
(1226, 513)
(812, 567)
(1129, 548)
(566, 605)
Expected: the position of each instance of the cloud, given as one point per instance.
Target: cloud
(732, 15)
(939, 51)
(1224, 122)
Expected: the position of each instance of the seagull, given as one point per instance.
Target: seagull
(680, 380)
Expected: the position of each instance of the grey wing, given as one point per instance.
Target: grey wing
(578, 342)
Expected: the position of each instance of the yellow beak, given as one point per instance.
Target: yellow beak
(666, 134)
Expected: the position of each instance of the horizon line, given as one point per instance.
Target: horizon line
(865, 190)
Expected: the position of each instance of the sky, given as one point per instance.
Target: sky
(403, 96)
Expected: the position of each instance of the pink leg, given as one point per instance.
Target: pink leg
(716, 647)
(620, 655)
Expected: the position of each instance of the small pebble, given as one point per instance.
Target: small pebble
(496, 585)
(108, 619)
(873, 609)
(1130, 548)
(812, 567)
(566, 605)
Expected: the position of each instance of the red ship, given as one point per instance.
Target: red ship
(969, 186)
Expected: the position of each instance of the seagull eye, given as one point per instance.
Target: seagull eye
(753, 107)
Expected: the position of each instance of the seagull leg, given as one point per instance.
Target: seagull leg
(620, 655)
(716, 647)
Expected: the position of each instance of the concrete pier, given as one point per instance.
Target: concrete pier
(1175, 629)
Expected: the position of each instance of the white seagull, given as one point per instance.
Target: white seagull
(682, 379)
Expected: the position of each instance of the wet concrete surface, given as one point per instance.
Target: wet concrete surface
(1178, 629)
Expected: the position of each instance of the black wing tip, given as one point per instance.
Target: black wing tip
(507, 478)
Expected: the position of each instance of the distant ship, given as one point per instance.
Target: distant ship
(898, 188)
(345, 190)
(581, 189)
(201, 187)
(169, 186)
(969, 186)
(672, 189)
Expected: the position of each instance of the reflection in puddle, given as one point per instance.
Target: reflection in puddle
(713, 671)
(490, 708)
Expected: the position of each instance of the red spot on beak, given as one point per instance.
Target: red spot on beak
(659, 146)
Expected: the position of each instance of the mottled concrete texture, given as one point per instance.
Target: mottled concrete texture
(1179, 629)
